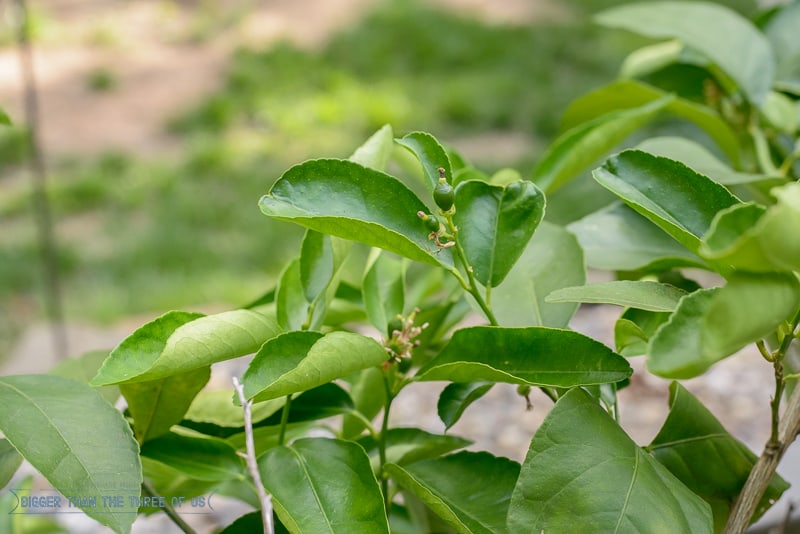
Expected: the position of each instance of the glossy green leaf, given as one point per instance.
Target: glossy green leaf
(178, 342)
(408, 445)
(670, 194)
(377, 150)
(536, 356)
(644, 295)
(47, 419)
(495, 224)
(156, 405)
(698, 450)
(384, 290)
(84, 368)
(580, 147)
(348, 200)
(198, 458)
(629, 94)
(752, 238)
(748, 308)
(553, 259)
(324, 485)
(298, 361)
(619, 239)
(470, 491)
(10, 460)
(456, 397)
(746, 55)
(431, 156)
(582, 473)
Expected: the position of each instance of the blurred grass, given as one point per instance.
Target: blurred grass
(138, 236)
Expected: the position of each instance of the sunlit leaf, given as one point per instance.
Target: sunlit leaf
(376, 151)
(431, 156)
(644, 295)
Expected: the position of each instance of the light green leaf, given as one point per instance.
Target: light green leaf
(408, 445)
(324, 485)
(698, 450)
(4, 118)
(384, 290)
(617, 238)
(298, 361)
(376, 151)
(781, 31)
(495, 224)
(178, 342)
(347, 200)
(84, 368)
(369, 397)
(780, 112)
(631, 94)
(746, 55)
(470, 491)
(750, 237)
(431, 156)
(644, 295)
(216, 407)
(535, 356)
(750, 307)
(553, 259)
(156, 405)
(197, 458)
(316, 264)
(76, 440)
(582, 473)
(291, 306)
(580, 147)
(10, 460)
(670, 194)
(633, 330)
(456, 397)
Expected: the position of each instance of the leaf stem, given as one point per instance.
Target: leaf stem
(168, 509)
(285, 419)
(252, 464)
(382, 442)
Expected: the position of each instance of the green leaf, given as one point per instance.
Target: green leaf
(456, 397)
(347, 200)
(178, 342)
(409, 445)
(216, 407)
(782, 34)
(495, 224)
(644, 295)
(316, 264)
(580, 147)
(750, 307)
(553, 259)
(779, 111)
(582, 473)
(76, 440)
(158, 404)
(323, 401)
(369, 397)
(535, 356)
(384, 290)
(291, 306)
(431, 156)
(748, 237)
(617, 238)
(297, 361)
(377, 150)
(631, 94)
(670, 194)
(84, 368)
(746, 55)
(324, 485)
(10, 460)
(698, 450)
(4, 118)
(469, 490)
(198, 458)
(634, 328)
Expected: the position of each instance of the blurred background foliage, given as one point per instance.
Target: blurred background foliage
(138, 235)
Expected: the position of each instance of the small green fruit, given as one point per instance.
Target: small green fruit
(443, 194)
(404, 365)
(394, 324)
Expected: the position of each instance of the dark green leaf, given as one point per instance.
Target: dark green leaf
(178, 342)
(495, 224)
(297, 361)
(746, 55)
(431, 156)
(324, 485)
(644, 295)
(198, 458)
(469, 490)
(696, 448)
(320, 402)
(456, 397)
(409, 445)
(582, 473)
(670, 194)
(347, 200)
(158, 404)
(216, 407)
(75, 439)
(535, 356)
